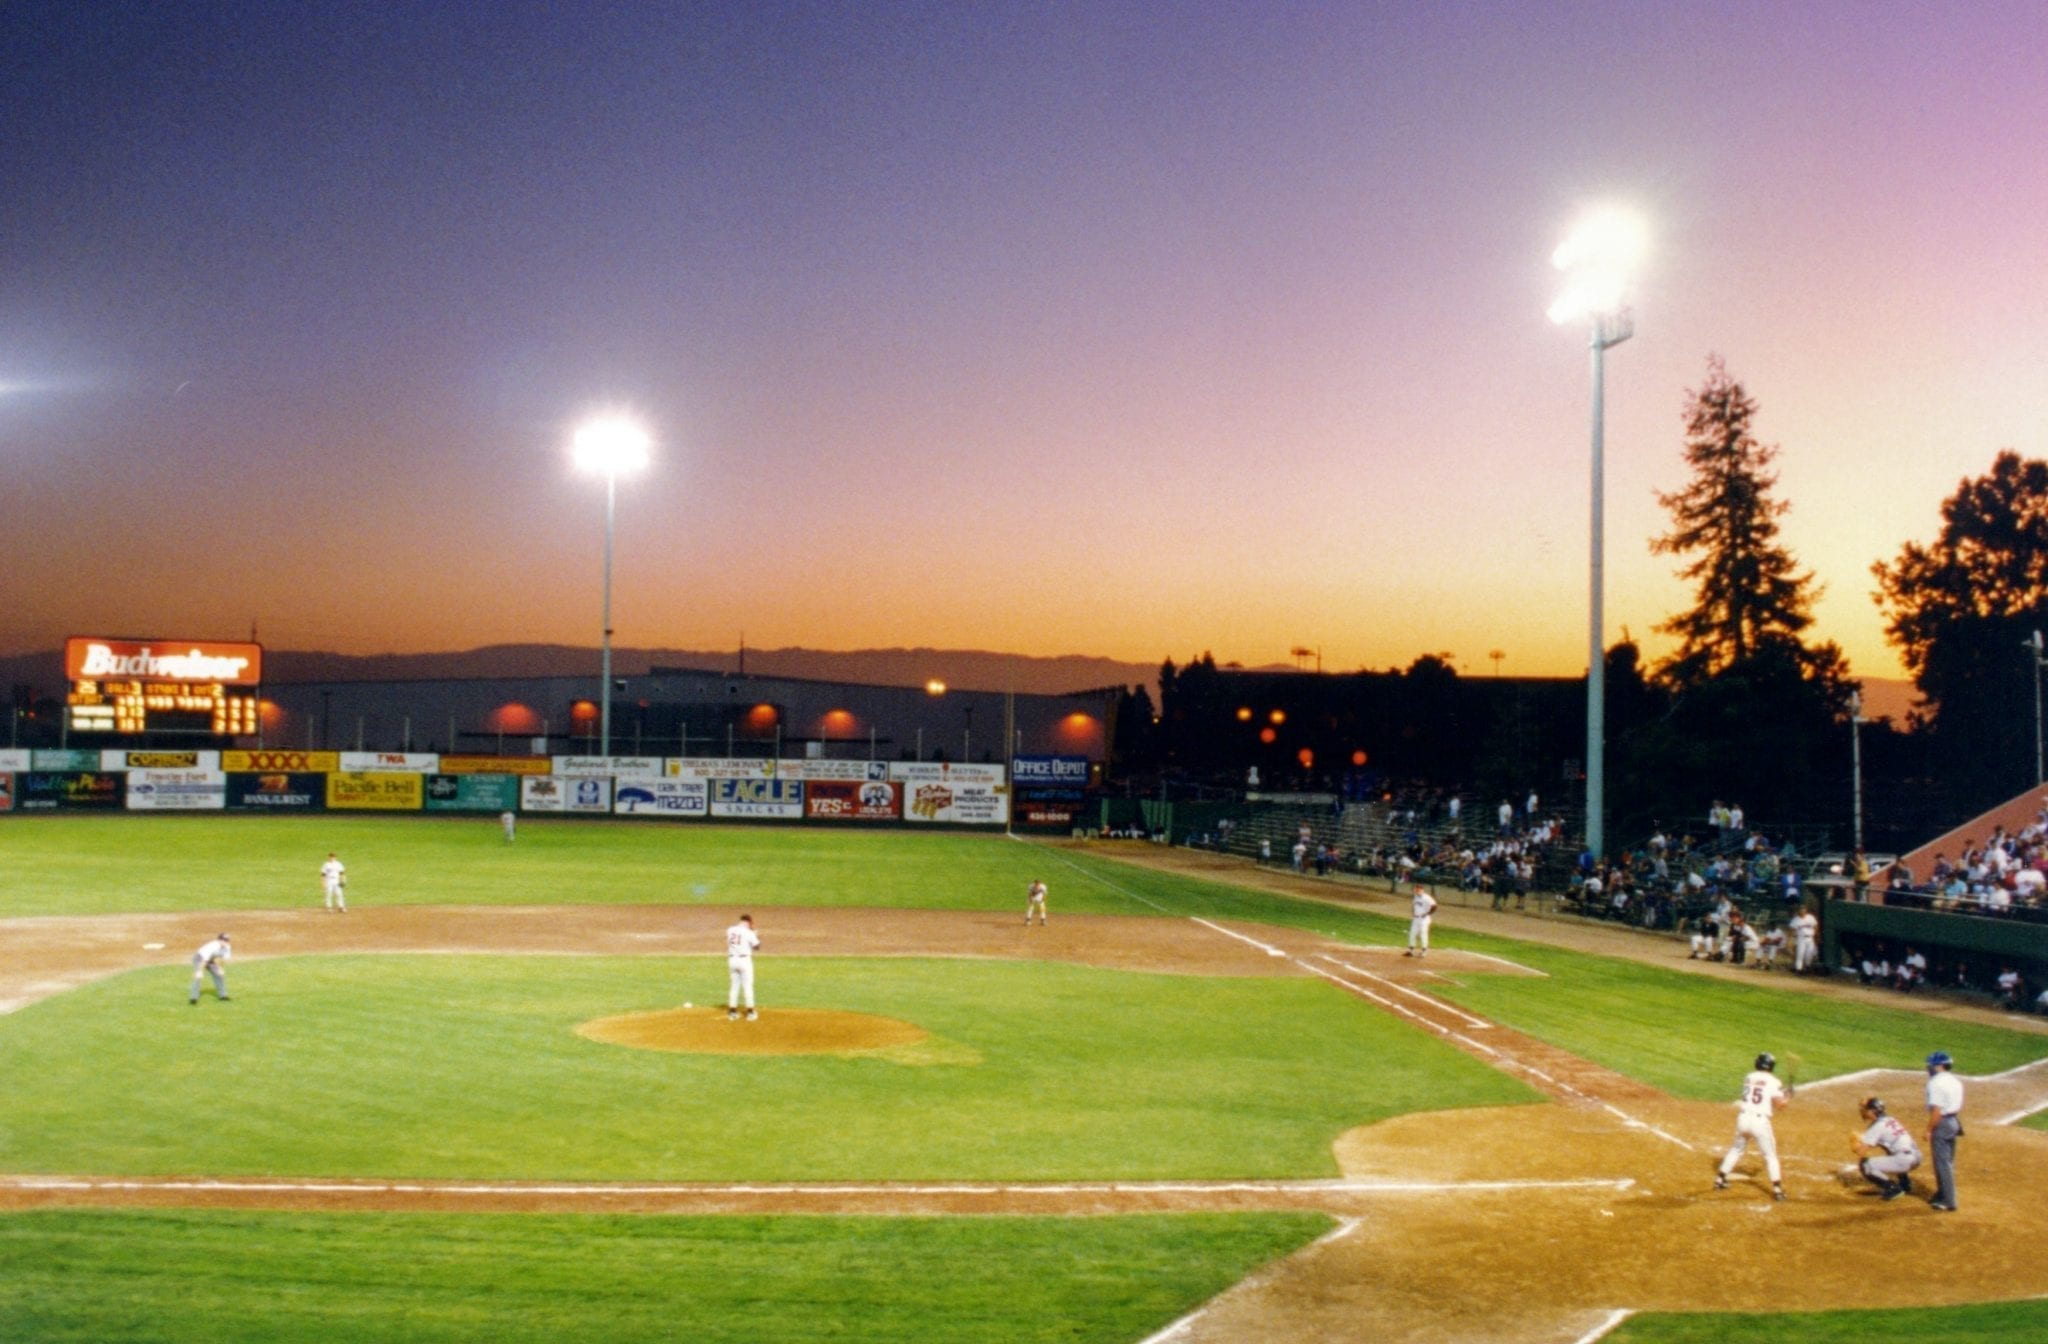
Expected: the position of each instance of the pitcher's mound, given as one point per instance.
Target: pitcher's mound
(779, 1031)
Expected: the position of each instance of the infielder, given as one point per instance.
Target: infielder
(741, 942)
(334, 883)
(1034, 904)
(1887, 1150)
(1805, 941)
(1423, 906)
(1763, 1096)
(211, 960)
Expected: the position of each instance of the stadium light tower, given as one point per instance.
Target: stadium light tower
(611, 447)
(1598, 258)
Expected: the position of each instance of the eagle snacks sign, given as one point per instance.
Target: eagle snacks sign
(757, 798)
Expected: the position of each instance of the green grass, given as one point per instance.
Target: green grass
(469, 1066)
(222, 1278)
(1982, 1323)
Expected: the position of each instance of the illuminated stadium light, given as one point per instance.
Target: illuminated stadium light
(611, 447)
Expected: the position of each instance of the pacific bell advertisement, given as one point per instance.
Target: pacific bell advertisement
(375, 791)
(845, 800)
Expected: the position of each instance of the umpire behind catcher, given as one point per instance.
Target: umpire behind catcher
(1944, 1127)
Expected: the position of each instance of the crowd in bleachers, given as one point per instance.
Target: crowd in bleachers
(2006, 876)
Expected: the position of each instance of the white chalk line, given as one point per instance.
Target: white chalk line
(799, 1190)
(1606, 1327)
(1476, 1023)
(1267, 948)
(1345, 1227)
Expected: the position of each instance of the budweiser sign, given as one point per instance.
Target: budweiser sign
(87, 659)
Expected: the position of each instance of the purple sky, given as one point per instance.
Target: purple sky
(1121, 329)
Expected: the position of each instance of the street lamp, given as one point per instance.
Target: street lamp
(1856, 722)
(1598, 259)
(2040, 660)
(609, 447)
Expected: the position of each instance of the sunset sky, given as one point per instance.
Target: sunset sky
(1122, 329)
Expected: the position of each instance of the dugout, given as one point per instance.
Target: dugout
(1975, 940)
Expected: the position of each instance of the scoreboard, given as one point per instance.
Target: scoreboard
(132, 686)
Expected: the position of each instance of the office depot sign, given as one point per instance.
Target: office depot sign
(87, 658)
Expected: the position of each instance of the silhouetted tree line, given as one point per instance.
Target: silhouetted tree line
(1748, 708)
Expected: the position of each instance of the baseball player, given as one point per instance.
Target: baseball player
(211, 960)
(509, 820)
(1805, 941)
(1422, 907)
(334, 883)
(1034, 904)
(1773, 945)
(1944, 1127)
(1763, 1096)
(741, 942)
(1886, 1150)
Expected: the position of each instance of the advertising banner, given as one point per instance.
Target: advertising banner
(16, 759)
(177, 790)
(545, 793)
(277, 791)
(41, 790)
(496, 765)
(960, 801)
(842, 770)
(757, 798)
(472, 793)
(270, 762)
(374, 791)
(616, 767)
(6, 791)
(65, 762)
(1050, 772)
(945, 772)
(664, 798)
(413, 762)
(847, 800)
(159, 760)
(90, 658)
(719, 767)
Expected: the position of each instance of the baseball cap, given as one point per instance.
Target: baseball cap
(1940, 1059)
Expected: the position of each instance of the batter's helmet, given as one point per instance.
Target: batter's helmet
(1940, 1059)
(1767, 1061)
(1873, 1106)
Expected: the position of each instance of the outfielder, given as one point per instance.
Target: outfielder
(508, 820)
(211, 960)
(1763, 1096)
(1420, 911)
(1034, 904)
(334, 883)
(741, 942)
(1887, 1150)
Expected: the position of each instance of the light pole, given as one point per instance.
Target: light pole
(1856, 763)
(609, 447)
(1598, 257)
(2040, 656)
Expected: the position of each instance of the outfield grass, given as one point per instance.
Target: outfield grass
(1980, 1323)
(222, 1278)
(444, 1066)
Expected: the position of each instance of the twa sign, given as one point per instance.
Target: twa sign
(200, 662)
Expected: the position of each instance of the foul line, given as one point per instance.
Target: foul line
(1606, 1327)
(1180, 1327)
(1476, 1023)
(1267, 948)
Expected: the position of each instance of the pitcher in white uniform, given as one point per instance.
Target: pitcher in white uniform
(741, 942)
(1420, 911)
(1763, 1096)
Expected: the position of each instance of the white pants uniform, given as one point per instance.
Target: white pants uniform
(1748, 1127)
(740, 975)
(335, 899)
(1418, 933)
(1803, 953)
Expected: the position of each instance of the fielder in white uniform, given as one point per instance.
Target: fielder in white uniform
(1034, 904)
(509, 820)
(1763, 1096)
(1887, 1150)
(334, 883)
(1805, 940)
(741, 942)
(1422, 908)
(211, 960)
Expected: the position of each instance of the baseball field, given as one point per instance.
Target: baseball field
(500, 1098)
